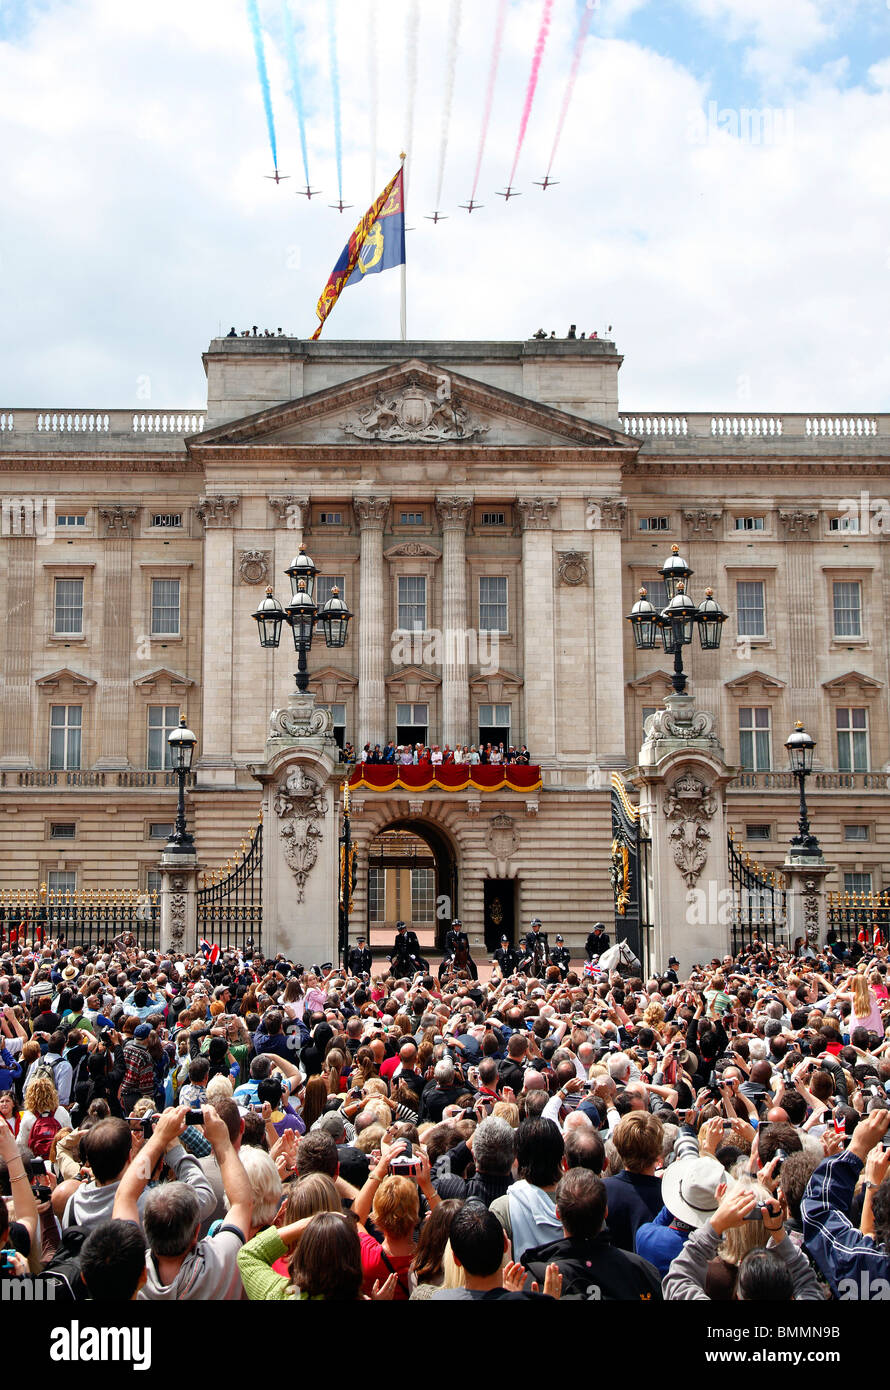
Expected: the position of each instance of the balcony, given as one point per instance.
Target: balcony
(134, 779)
(817, 782)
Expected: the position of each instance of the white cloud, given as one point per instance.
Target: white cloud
(137, 221)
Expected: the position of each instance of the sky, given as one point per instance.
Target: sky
(722, 199)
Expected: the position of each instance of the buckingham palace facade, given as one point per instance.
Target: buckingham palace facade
(489, 511)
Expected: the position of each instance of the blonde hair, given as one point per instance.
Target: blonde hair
(505, 1110)
(750, 1235)
(312, 1194)
(41, 1096)
(862, 995)
(219, 1088)
(453, 1273)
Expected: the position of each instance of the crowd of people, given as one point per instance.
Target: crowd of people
(249, 1129)
(419, 754)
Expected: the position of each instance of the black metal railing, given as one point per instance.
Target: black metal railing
(759, 900)
(89, 917)
(230, 899)
(862, 917)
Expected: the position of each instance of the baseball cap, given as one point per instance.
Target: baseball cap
(142, 1030)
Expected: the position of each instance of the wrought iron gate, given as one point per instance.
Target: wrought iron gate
(88, 917)
(230, 900)
(629, 873)
(759, 901)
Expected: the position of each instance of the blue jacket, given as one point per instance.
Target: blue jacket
(659, 1242)
(9, 1070)
(849, 1260)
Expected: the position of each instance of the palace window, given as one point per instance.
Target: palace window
(493, 603)
(68, 618)
(852, 739)
(754, 738)
(65, 733)
(412, 603)
(847, 602)
(750, 608)
(412, 724)
(165, 607)
(423, 895)
(494, 724)
(162, 720)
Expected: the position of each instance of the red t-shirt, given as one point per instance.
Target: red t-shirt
(374, 1267)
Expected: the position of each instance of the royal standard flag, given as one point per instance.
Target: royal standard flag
(378, 243)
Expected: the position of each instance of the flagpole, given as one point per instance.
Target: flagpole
(404, 306)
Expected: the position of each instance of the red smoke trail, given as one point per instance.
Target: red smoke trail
(540, 43)
(489, 93)
(583, 28)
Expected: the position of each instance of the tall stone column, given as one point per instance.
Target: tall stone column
(215, 761)
(114, 688)
(371, 512)
(800, 597)
(608, 627)
(15, 670)
(682, 776)
(453, 513)
(535, 518)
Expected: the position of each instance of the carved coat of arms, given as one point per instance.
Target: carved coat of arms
(301, 806)
(416, 415)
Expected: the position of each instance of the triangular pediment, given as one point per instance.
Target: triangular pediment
(413, 404)
(65, 674)
(162, 675)
(759, 680)
(503, 680)
(851, 681)
(651, 681)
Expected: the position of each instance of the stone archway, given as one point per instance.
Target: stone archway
(412, 870)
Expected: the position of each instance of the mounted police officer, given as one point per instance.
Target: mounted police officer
(597, 941)
(457, 951)
(536, 951)
(406, 957)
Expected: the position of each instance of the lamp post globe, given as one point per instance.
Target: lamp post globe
(182, 742)
(800, 747)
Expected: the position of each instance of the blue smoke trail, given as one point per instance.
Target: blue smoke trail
(295, 88)
(253, 15)
(335, 86)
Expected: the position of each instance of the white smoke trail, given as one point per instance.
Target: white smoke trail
(372, 89)
(411, 36)
(454, 14)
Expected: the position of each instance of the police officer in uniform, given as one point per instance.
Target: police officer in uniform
(671, 972)
(597, 941)
(457, 951)
(359, 959)
(561, 956)
(406, 957)
(534, 940)
(506, 958)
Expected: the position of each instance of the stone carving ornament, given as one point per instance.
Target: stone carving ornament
(503, 841)
(690, 805)
(414, 415)
(253, 566)
(572, 567)
(302, 719)
(301, 806)
(679, 723)
(811, 911)
(177, 920)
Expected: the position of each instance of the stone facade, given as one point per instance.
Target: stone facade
(458, 486)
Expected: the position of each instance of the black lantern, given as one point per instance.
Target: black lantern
(800, 753)
(677, 620)
(182, 749)
(302, 568)
(710, 619)
(300, 615)
(269, 617)
(644, 623)
(675, 572)
(334, 620)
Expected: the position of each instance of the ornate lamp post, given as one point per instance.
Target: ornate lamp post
(182, 749)
(302, 616)
(800, 753)
(678, 620)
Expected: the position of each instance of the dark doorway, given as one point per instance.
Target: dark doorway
(390, 852)
(499, 900)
